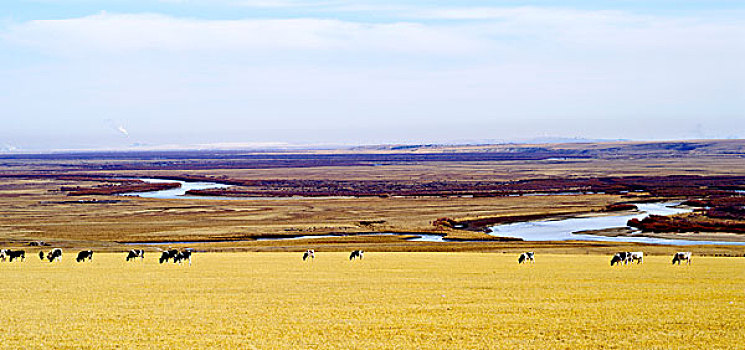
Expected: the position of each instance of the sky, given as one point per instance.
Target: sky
(162, 74)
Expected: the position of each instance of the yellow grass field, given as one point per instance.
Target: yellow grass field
(386, 301)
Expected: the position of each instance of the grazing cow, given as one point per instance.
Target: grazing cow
(15, 254)
(41, 255)
(680, 256)
(527, 256)
(86, 254)
(310, 253)
(620, 257)
(182, 256)
(636, 256)
(356, 254)
(55, 254)
(136, 253)
(3, 254)
(167, 254)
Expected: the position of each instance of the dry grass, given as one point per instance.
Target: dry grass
(388, 300)
(29, 212)
(42, 214)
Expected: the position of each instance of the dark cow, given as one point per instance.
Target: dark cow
(184, 255)
(55, 254)
(356, 254)
(680, 256)
(167, 255)
(527, 256)
(620, 257)
(41, 255)
(15, 254)
(310, 253)
(136, 253)
(86, 254)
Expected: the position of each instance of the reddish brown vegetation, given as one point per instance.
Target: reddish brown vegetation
(729, 207)
(658, 186)
(656, 223)
(730, 213)
(125, 186)
(620, 207)
(190, 160)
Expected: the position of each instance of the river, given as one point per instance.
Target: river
(544, 230)
(564, 229)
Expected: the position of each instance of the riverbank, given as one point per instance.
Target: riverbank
(685, 236)
(384, 244)
(34, 208)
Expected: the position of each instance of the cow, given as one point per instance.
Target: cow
(527, 256)
(620, 257)
(636, 256)
(41, 255)
(356, 254)
(310, 253)
(182, 256)
(55, 254)
(86, 254)
(3, 254)
(680, 256)
(167, 254)
(15, 254)
(136, 253)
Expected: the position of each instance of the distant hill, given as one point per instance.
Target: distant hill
(400, 154)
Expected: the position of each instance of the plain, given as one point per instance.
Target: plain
(387, 300)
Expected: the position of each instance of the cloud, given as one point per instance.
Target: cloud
(284, 4)
(522, 71)
(106, 33)
(488, 32)
(260, 3)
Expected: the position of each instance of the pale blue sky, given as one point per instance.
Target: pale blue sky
(83, 74)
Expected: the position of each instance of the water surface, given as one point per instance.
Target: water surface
(564, 229)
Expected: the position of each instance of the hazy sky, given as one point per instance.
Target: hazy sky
(84, 74)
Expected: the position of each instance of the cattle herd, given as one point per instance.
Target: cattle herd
(184, 256)
(175, 255)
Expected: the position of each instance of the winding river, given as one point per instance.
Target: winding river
(179, 192)
(571, 228)
(544, 230)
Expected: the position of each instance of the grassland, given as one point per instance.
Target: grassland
(34, 208)
(40, 212)
(386, 301)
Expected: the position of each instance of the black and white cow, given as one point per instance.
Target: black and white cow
(356, 254)
(636, 256)
(3, 254)
(86, 254)
(55, 254)
(310, 253)
(167, 255)
(527, 256)
(15, 254)
(680, 256)
(136, 253)
(620, 257)
(184, 255)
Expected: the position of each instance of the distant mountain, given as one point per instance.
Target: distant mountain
(557, 139)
